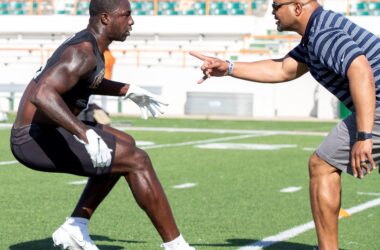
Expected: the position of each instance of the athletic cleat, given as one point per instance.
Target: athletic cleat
(177, 247)
(73, 236)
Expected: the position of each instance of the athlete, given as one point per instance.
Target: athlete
(47, 135)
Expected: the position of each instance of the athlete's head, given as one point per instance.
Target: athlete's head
(115, 17)
(101, 6)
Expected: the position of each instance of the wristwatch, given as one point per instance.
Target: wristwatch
(362, 136)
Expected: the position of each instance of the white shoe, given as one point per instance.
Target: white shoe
(177, 244)
(73, 236)
(177, 247)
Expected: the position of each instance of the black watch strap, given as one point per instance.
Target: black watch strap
(362, 136)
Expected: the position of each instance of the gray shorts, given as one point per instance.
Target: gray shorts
(336, 148)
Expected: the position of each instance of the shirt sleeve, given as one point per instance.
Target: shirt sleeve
(336, 50)
(298, 54)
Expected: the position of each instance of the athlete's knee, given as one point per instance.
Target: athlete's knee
(128, 139)
(141, 160)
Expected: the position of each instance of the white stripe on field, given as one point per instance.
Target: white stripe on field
(81, 182)
(220, 131)
(204, 141)
(290, 189)
(8, 162)
(185, 185)
(285, 235)
(369, 193)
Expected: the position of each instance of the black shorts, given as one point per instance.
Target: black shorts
(54, 149)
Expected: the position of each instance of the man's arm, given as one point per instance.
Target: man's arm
(75, 62)
(266, 71)
(362, 88)
(270, 71)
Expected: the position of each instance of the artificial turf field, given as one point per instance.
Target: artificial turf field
(223, 179)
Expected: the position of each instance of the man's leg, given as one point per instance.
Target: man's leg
(325, 198)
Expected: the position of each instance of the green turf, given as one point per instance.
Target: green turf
(236, 200)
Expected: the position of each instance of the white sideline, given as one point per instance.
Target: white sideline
(285, 235)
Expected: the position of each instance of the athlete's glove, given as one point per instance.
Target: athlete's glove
(99, 153)
(147, 101)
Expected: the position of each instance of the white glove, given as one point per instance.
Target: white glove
(99, 153)
(146, 100)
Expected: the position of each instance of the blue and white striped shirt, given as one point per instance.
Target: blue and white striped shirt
(330, 44)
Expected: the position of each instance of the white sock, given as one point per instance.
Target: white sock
(177, 242)
(77, 220)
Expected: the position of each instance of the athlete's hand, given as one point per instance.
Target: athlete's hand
(99, 153)
(361, 158)
(147, 101)
(211, 66)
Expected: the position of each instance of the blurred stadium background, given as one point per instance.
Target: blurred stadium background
(156, 55)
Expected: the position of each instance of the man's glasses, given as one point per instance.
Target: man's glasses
(277, 6)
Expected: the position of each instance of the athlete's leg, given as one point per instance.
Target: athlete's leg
(135, 165)
(96, 190)
(325, 198)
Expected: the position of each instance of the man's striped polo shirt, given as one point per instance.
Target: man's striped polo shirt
(330, 44)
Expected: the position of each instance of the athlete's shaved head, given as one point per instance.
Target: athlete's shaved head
(100, 6)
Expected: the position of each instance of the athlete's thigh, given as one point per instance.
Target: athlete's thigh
(52, 149)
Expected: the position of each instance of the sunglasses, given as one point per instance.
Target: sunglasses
(277, 6)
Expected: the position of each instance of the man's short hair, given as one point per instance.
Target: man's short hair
(101, 6)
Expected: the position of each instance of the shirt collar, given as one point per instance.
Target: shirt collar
(313, 16)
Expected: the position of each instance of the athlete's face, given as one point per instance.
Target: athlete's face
(122, 21)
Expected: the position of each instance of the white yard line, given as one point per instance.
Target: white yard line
(220, 131)
(8, 162)
(295, 231)
(179, 144)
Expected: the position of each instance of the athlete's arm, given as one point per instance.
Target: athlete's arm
(76, 61)
(111, 88)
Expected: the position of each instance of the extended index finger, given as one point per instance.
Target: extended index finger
(198, 55)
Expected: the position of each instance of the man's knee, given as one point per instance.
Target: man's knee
(319, 167)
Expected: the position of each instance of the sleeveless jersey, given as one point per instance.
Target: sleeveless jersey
(77, 96)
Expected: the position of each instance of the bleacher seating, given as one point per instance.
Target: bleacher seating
(366, 8)
(139, 7)
(165, 7)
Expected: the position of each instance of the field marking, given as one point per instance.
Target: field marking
(8, 162)
(80, 182)
(290, 189)
(5, 125)
(246, 146)
(179, 144)
(220, 131)
(369, 193)
(185, 185)
(295, 231)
